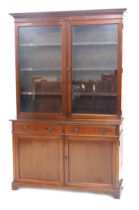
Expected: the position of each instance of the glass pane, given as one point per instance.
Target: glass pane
(40, 69)
(94, 69)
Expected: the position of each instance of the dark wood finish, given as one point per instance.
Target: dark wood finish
(64, 149)
(119, 67)
(100, 101)
(69, 15)
(98, 130)
(87, 158)
(40, 157)
(30, 127)
(74, 145)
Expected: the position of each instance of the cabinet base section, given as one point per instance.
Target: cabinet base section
(115, 192)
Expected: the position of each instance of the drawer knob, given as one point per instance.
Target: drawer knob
(102, 131)
(65, 157)
(49, 129)
(77, 130)
(26, 127)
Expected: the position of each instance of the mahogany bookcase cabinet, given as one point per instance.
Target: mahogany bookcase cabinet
(68, 88)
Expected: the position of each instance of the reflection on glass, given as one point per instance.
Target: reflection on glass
(94, 69)
(40, 69)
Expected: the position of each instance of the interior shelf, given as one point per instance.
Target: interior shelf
(30, 93)
(94, 69)
(40, 44)
(93, 43)
(39, 69)
(95, 94)
(74, 69)
(73, 44)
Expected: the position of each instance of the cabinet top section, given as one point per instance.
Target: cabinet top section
(70, 15)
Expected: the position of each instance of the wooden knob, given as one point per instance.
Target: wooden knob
(26, 127)
(65, 157)
(77, 130)
(102, 131)
(49, 129)
(68, 69)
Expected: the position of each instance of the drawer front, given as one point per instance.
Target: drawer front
(28, 127)
(92, 130)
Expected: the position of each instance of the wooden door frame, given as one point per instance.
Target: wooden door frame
(63, 70)
(69, 67)
(115, 160)
(16, 164)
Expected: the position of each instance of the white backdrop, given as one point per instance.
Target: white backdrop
(40, 199)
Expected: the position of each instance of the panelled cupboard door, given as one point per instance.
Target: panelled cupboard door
(95, 64)
(39, 159)
(41, 55)
(90, 162)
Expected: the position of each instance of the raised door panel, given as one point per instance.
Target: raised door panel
(89, 162)
(40, 158)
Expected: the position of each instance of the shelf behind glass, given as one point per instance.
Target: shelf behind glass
(74, 69)
(39, 69)
(40, 45)
(94, 43)
(94, 69)
(94, 104)
(30, 93)
(41, 103)
(95, 94)
(73, 44)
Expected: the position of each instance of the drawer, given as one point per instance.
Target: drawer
(28, 127)
(93, 130)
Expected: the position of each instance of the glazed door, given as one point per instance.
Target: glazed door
(94, 68)
(39, 159)
(41, 78)
(90, 162)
